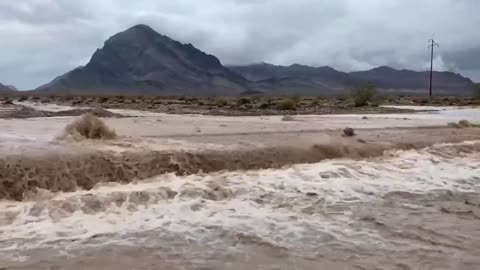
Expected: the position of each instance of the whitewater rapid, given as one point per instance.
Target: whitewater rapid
(410, 209)
(404, 209)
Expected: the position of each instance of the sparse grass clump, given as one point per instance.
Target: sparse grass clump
(243, 101)
(287, 104)
(264, 105)
(362, 96)
(102, 100)
(296, 99)
(22, 98)
(221, 102)
(315, 103)
(89, 126)
(8, 102)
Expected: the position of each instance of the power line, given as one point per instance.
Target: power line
(432, 45)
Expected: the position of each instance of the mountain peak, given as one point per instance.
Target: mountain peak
(141, 27)
(139, 34)
(140, 58)
(7, 88)
(141, 30)
(383, 68)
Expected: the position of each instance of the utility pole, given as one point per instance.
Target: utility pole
(432, 45)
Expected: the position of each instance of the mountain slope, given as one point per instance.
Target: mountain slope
(296, 79)
(5, 89)
(139, 60)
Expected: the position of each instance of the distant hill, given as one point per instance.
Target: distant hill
(5, 89)
(139, 60)
(296, 79)
(300, 79)
(413, 81)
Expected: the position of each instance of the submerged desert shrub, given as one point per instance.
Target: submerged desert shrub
(288, 118)
(463, 124)
(362, 96)
(89, 126)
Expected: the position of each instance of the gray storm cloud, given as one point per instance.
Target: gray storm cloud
(41, 39)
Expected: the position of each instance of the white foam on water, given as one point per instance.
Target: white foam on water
(49, 107)
(284, 207)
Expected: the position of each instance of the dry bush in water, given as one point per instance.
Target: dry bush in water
(288, 118)
(89, 126)
(463, 124)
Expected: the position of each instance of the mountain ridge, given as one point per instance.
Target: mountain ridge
(140, 60)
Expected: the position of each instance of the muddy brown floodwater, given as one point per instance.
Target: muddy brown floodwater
(403, 194)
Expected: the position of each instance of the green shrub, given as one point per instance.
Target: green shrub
(362, 96)
(102, 99)
(476, 91)
(22, 98)
(243, 100)
(264, 105)
(220, 102)
(288, 104)
(296, 99)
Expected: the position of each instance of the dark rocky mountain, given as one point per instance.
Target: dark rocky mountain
(5, 89)
(388, 78)
(139, 60)
(142, 61)
(299, 79)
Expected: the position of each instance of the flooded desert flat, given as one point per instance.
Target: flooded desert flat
(213, 192)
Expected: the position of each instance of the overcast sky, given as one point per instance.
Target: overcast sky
(41, 39)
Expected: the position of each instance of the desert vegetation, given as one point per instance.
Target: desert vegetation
(361, 100)
(88, 126)
(288, 104)
(364, 95)
(463, 124)
(476, 91)
(221, 101)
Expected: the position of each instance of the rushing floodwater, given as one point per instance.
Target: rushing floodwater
(405, 210)
(417, 209)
